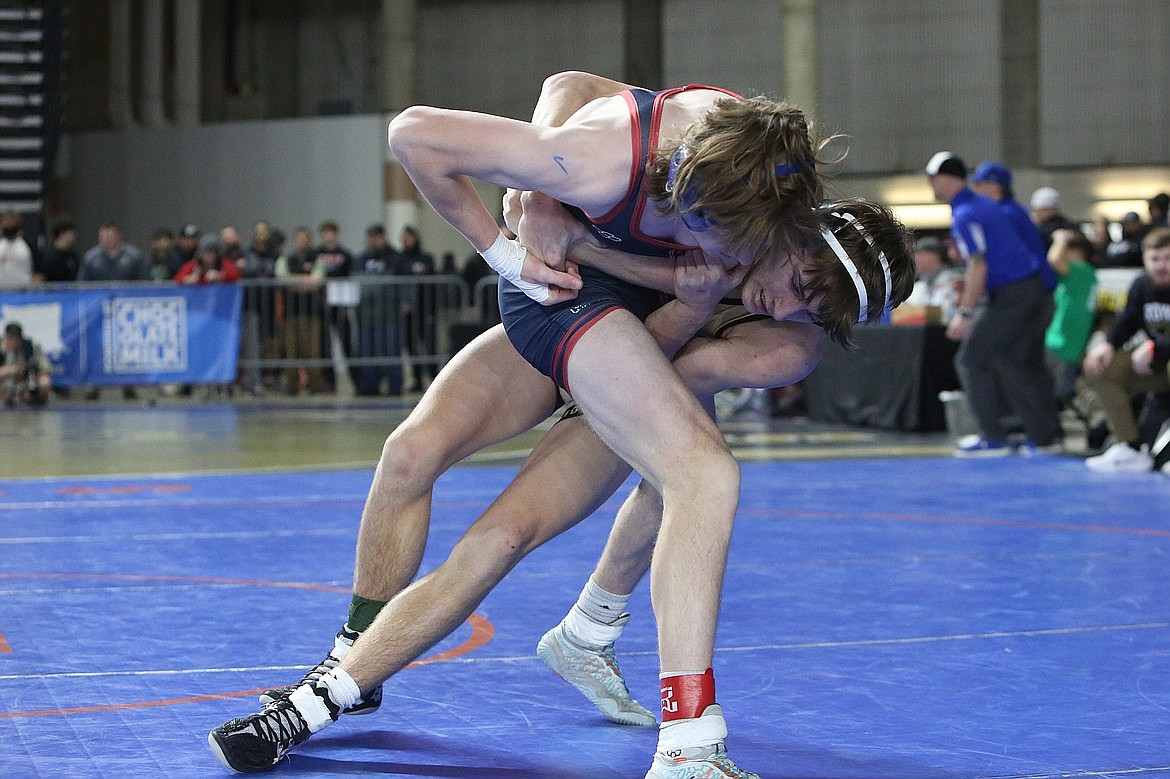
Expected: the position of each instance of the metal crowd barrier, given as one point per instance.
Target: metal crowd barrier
(355, 335)
(363, 335)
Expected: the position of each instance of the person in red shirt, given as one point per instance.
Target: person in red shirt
(207, 267)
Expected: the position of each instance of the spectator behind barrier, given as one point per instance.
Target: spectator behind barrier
(60, 260)
(1158, 206)
(208, 266)
(936, 282)
(161, 242)
(1125, 250)
(304, 299)
(418, 318)
(378, 314)
(16, 260)
(1047, 214)
(113, 260)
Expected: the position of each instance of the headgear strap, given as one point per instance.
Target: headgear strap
(851, 219)
(843, 256)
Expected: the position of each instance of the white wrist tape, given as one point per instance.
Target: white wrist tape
(506, 257)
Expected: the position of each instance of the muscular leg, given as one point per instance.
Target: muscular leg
(526, 515)
(630, 545)
(640, 407)
(486, 394)
(626, 556)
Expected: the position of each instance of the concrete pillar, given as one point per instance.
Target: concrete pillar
(188, 84)
(644, 43)
(399, 43)
(152, 113)
(801, 66)
(1019, 83)
(121, 114)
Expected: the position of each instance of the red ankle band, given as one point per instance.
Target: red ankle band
(686, 696)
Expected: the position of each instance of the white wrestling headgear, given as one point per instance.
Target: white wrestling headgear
(851, 267)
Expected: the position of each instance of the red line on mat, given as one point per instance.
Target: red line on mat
(482, 632)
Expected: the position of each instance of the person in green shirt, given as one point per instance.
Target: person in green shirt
(1075, 300)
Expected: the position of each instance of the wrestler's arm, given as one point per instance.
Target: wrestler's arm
(758, 353)
(578, 162)
(698, 288)
(547, 229)
(550, 234)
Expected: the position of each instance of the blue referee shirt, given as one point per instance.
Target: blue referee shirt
(979, 226)
(1032, 236)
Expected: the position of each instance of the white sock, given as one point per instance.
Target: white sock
(601, 605)
(342, 688)
(321, 703)
(587, 633)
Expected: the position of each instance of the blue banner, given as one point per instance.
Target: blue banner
(134, 334)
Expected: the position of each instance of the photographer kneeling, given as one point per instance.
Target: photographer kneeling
(24, 372)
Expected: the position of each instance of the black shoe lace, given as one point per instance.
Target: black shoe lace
(325, 666)
(282, 725)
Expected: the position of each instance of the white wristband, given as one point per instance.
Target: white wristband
(506, 257)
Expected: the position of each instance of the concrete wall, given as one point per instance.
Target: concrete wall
(1071, 93)
(290, 172)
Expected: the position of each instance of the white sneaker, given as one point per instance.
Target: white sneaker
(710, 762)
(1166, 468)
(1122, 458)
(595, 674)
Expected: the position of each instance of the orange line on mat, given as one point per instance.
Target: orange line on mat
(482, 632)
(4, 648)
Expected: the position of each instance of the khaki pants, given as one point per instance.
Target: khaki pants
(1115, 387)
(302, 340)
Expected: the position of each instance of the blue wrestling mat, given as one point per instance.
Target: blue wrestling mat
(900, 619)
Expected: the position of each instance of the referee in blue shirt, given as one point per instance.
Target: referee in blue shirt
(1003, 312)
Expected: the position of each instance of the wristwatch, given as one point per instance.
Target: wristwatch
(965, 312)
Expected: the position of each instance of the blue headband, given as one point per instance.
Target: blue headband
(696, 220)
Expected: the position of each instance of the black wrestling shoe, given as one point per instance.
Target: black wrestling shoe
(249, 745)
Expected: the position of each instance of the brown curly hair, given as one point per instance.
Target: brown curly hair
(828, 285)
(729, 174)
